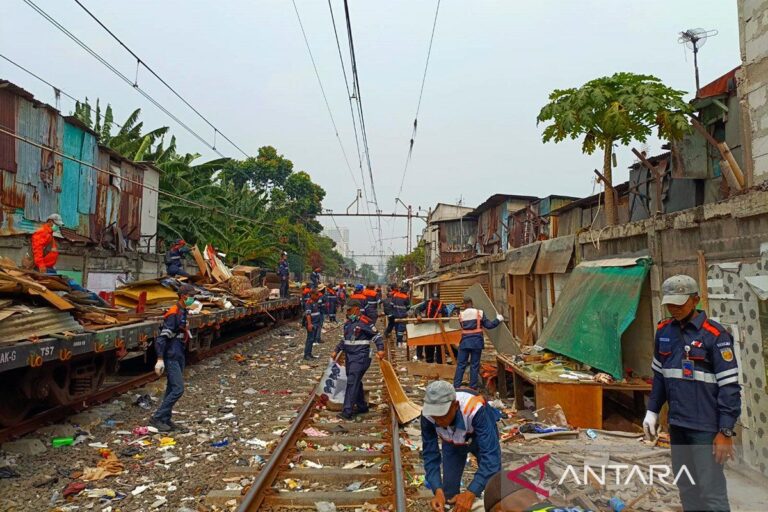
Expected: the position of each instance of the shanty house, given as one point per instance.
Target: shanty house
(492, 217)
(449, 236)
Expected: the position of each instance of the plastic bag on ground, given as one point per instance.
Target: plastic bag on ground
(334, 382)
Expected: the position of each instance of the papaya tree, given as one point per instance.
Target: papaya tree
(621, 108)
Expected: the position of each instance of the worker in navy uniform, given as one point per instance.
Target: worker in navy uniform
(331, 303)
(472, 321)
(389, 311)
(433, 308)
(322, 307)
(358, 295)
(464, 423)
(696, 372)
(314, 278)
(174, 264)
(284, 273)
(359, 333)
(372, 300)
(312, 319)
(401, 303)
(341, 293)
(170, 346)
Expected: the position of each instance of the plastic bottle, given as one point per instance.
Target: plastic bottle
(58, 442)
(617, 504)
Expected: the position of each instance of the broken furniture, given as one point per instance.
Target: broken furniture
(581, 400)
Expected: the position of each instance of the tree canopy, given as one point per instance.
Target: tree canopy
(249, 209)
(621, 108)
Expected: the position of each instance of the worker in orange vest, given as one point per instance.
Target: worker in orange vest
(44, 250)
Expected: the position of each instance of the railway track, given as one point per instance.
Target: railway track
(117, 385)
(314, 457)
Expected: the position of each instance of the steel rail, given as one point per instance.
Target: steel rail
(257, 492)
(397, 461)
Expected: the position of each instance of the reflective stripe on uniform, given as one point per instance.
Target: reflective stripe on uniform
(357, 342)
(677, 373)
(656, 365)
(727, 381)
(726, 373)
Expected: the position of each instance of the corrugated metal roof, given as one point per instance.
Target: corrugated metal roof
(555, 255)
(497, 199)
(520, 261)
(41, 322)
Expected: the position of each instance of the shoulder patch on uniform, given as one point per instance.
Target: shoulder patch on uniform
(727, 353)
(711, 328)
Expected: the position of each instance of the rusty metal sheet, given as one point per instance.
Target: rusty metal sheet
(13, 194)
(520, 261)
(501, 337)
(130, 201)
(30, 125)
(13, 222)
(8, 122)
(555, 255)
(41, 322)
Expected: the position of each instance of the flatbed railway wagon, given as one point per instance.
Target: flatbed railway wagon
(64, 369)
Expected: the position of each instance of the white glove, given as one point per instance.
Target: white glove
(159, 367)
(499, 318)
(650, 425)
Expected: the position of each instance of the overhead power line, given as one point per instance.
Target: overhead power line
(350, 97)
(322, 90)
(122, 76)
(142, 62)
(7, 131)
(58, 90)
(418, 104)
(356, 82)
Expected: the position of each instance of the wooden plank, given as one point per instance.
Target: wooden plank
(33, 288)
(728, 156)
(582, 405)
(430, 370)
(201, 265)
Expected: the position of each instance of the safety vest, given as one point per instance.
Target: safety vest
(437, 311)
(466, 316)
(469, 404)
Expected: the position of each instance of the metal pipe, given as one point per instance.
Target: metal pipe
(255, 496)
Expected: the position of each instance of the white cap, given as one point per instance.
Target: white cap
(678, 289)
(438, 399)
(56, 219)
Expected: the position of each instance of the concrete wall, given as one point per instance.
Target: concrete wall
(753, 39)
(83, 261)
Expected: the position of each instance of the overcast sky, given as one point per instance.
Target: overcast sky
(244, 64)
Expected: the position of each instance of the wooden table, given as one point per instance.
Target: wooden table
(582, 402)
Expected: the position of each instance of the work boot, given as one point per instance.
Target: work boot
(159, 425)
(310, 358)
(362, 410)
(345, 417)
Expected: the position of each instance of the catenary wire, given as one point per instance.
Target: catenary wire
(5, 130)
(122, 76)
(144, 64)
(322, 90)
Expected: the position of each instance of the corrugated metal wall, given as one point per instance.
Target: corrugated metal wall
(35, 183)
(8, 122)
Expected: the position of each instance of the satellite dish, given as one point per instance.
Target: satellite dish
(694, 38)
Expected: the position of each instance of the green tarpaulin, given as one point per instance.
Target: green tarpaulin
(596, 306)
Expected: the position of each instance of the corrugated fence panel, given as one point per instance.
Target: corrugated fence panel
(113, 199)
(86, 202)
(50, 174)
(98, 219)
(8, 122)
(130, 201)
(30, 126)
(13, 193)
(70, 179)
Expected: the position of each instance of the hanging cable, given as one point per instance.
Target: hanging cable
(140, 61)
(418, 104)
(122, 76)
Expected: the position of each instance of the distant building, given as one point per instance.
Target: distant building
(341, 237)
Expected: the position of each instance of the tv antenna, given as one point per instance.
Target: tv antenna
(694, 38)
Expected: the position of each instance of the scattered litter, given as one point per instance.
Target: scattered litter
(221, 444)
(8, 472)
(139, 489)
(101, 493)
(325, 506)
(73, 488)
(257, 442)
(144, 401)
(58, 442)
(313, 432)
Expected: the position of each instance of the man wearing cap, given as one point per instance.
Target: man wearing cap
(170, 346)
(174, 259)
(463, 422)
(696, 372)
(284, 273)
(359, 333)
(472, 321)
(44, 250)
(400, 305)
(314, 277)
(433, 308)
